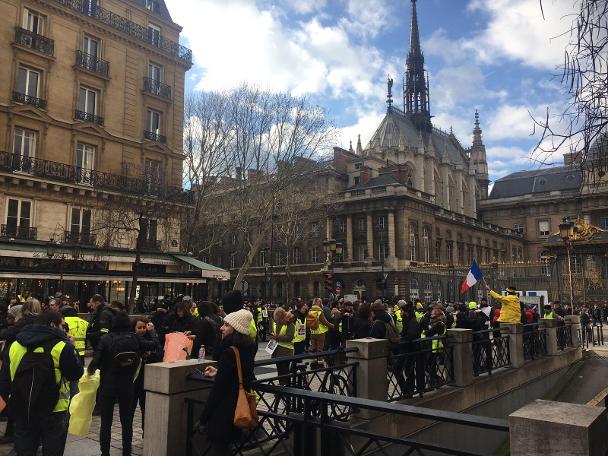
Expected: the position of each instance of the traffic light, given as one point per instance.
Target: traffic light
(329, 282)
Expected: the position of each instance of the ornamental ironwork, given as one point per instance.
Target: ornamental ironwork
(61, 172)
(28, 99)
(88, 117)
(92, 63)
(154, 136)
(84, 238)
(128, 27)
(157, 88)
(19, 232)
(34, 41)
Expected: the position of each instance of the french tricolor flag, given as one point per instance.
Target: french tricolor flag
(473, 277)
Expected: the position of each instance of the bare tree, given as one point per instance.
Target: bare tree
(585, 72)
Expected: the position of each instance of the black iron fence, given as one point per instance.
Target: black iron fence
(157, 88)
(490, 351)
(535, 341)
(29, 99)
(92, 63)
(34, 41)
(419, 366)
(591, 335)
(564, 337)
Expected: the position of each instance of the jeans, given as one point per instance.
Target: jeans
(119, 390)
(139, 395)
(51, 431)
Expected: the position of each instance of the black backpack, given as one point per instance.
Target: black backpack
(34, 389)
(125, 355)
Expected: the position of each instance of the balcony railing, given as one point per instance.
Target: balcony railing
(70, 237)
(92, 63)
(88, 117)
(18, 232)
(28, 99)
(150, 244)
(34, 41)
(139, 32)
(157, 88)
(60, 172)
(153, 136)
(150, 5)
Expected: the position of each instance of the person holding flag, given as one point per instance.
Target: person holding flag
(510, 311)
(472, 278)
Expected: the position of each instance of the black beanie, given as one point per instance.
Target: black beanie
(121, 322)
(232, 301)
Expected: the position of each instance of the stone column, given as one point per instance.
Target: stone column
(445, 185)
(575, 325)
(472, 203)
(419, 174)
(462, 342)
(391, 235)
(551, 331)
(167, 387)
(372, 371)
(349, 238)
(370, 236)
(516, 342)
(329, 228)
(547, 427)
(459, 194)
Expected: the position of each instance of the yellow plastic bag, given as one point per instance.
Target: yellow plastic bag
(82, 405)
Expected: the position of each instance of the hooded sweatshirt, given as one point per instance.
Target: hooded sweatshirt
(36, 335)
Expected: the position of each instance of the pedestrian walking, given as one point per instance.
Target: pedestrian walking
(218, 414)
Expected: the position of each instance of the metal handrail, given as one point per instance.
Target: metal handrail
(34, 41)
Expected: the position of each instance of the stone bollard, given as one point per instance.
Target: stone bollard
(551, 331)
(462, 342)
(558, 428)
(575, 325)
(372, 372)
(167, 388)
(516, 342)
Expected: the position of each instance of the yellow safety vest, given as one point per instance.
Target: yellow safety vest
(195, 311)
(321, 329)
(419, 316)
(299, 324)
(436, 344)
(259, 315)
(18, 351)
(282, 332)
(77, 328)
(399, 324)
(253, 330)
(548, 316)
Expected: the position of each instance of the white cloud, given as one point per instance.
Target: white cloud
(365, 126)
(510, 122)
(260, 48)
(367, 18)
(503, 160)
(306, 6)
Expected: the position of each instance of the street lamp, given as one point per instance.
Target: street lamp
(331, 248)
(566, 232)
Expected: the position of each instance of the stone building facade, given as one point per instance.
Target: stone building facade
(91, 120)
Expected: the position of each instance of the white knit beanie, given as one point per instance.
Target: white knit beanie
(239, 320)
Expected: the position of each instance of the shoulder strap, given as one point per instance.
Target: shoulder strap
(239, 371)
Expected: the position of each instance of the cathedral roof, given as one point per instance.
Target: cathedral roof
(397, 128)
(558, 178)
(378, 181)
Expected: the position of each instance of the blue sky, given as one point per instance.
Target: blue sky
(498, 56)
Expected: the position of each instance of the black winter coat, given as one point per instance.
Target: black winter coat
(361, 328)
(100, 324)
(218, 414)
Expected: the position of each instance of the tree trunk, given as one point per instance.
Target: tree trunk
(287, 278)
(248, 261)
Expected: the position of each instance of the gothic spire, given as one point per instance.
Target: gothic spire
(477, 141)
(359, 147)
(415, 85)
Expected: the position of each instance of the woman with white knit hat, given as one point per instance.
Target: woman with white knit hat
(218, 414)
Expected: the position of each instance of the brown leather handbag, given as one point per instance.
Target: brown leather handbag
(245, 414)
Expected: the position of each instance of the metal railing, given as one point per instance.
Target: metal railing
(34, 41)
(88, 117)
(490, 351)
(92, 63)
(151, 244)
(79, 238)
(130, 28)
(419, 366)
(157, 88)
(28, 99)
(535, 341)
(564, 337)
(293, 430)
(19, 232)
(62, 172)
(593, 335)
(153, 136)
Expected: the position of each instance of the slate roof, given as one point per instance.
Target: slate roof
(378, 181)
(396, 127)
(558, 178)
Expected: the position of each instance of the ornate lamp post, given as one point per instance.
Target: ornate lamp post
(566, 232)
(331, 248)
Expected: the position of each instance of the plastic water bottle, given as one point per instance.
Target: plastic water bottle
(201, 354)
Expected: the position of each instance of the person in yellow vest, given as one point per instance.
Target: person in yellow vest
(548, 314)
(299, 340)
(318, 325)
(77, 328)
(39, 404)
(419, 311)
(397, 316)
(283, 331)
(436, 329)
(510, 310)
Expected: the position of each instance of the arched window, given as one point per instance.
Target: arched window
(414, 289)
(413, 253)
(426, 245)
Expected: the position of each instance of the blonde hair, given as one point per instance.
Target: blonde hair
(317, 302)
(279, 315)
(31, 307)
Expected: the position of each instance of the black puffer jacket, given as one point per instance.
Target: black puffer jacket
(381, 319)
(219, 409)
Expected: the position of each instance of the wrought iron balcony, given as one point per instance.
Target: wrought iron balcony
(151, 244)
(157, 88)
(60, 172)
(93, 64)
(150, 5)
(18, 232)
(70, 237)
(34, 41)
(124, 25)
(28, 99)
(153, 136)
(88, 117)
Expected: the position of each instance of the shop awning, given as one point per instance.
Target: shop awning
(208, 271)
